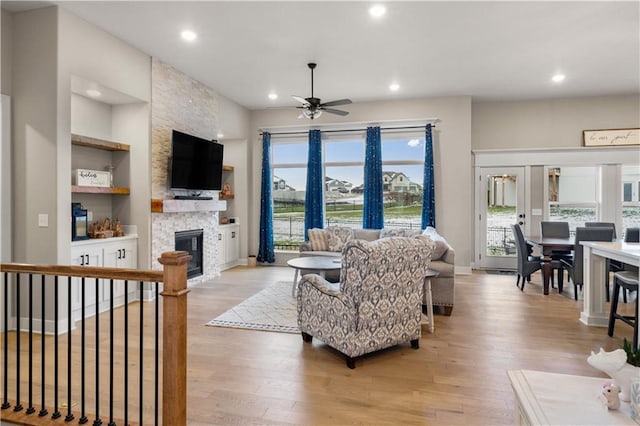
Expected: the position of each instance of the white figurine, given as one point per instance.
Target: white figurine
(609, 395)
(614, 364)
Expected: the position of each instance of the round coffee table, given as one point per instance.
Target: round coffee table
(321, 264)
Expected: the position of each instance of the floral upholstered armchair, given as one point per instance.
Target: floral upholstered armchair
(376, 304)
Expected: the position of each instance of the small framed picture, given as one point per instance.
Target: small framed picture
(611, 137)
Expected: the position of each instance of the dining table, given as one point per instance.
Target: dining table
(547, 246)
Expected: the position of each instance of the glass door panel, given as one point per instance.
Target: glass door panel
(501, 205)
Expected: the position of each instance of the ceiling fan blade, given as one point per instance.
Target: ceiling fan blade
(336, 103)
(335, 111)
(300, 99)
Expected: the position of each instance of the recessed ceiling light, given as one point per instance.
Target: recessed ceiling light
(93, 93)
(558, 78)
(220, 135)
(377, 10)
(273, 96)
(394, 87)
(188, 35)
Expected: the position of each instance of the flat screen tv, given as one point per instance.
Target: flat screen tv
(196, 163)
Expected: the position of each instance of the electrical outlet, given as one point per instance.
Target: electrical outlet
(43, 220)
(89, 216)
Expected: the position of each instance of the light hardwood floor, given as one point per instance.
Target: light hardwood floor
(458, 376)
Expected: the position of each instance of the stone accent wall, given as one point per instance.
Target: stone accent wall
(182, 103)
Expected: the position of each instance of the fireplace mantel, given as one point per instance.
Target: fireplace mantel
(180, 206)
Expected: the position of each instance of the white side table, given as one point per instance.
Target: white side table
(428, 297)
(562, 399)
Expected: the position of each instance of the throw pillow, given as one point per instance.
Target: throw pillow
(441, 244)
(337, 237)
(399, 232)
(318, 239)
(392, 232)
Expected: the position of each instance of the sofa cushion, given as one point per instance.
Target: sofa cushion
(441, 244)
(446, 270)
(338, 236)
(318, 239)
(366, 234)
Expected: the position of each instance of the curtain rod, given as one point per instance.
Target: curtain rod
(301, 132)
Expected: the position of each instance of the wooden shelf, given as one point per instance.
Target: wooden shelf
(99, 190)
(102, 144)
(226, 168)
(177, 206)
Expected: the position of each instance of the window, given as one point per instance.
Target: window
(289, 165)
(402, 163)
(627, 190)
(630, 177)
(572, 195)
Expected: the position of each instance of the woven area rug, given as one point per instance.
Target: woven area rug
(272, 309)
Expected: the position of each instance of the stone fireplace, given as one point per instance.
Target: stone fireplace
(191, 242)
(166, 225)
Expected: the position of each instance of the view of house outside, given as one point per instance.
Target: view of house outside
(403, 165)
(572, 198)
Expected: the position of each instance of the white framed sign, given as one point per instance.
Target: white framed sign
(611, 137)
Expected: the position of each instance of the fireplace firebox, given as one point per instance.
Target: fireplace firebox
(191, 242)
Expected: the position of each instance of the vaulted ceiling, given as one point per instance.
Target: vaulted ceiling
(488, 50)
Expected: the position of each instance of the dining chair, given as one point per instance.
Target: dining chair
(527, 264)
(612, 265)
(576, 267)
(631, 235)
(602, 225)
(555, 229)
(627, 281)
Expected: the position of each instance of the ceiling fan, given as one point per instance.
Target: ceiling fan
(312, 106)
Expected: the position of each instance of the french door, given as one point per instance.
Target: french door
(499, 203)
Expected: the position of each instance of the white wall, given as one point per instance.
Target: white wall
(549, 123)
(452, 158)
(35, 135)
(97, 56)
(7, 52)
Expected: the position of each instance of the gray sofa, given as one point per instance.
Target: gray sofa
(442, 287)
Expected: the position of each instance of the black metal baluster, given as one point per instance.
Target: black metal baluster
(69, 417)
(141, 349)
(56, 413)
(126, 352)
(111, 422)
(5, 329)
(83, 418)
(18, 406)
(157, 361)
(30, 409)
(97, 421)
(43, 411)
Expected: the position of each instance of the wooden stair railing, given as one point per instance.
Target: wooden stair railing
(48, 279)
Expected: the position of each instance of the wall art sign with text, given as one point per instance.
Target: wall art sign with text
(611, 137)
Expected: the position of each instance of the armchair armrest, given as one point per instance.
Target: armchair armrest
(322, 285)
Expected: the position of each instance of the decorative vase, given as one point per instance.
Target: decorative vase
(614, 364)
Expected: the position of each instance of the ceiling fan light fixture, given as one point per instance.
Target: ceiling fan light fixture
(311, 114)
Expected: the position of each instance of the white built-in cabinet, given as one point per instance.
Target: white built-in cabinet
(119, 252)
(228, 246)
